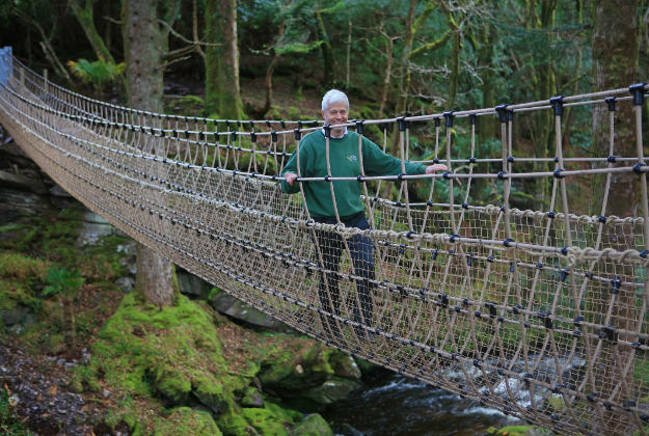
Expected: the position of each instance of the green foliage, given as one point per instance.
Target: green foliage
(63, 282)
(9, 423)
(98, 73)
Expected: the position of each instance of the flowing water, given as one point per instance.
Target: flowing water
(390, 404)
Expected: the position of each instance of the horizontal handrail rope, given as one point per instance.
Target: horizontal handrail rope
(253, 176)
(637, 168)
(537, 105)
(571, 252)
(93, 119)
(156, 114)
(415, 293)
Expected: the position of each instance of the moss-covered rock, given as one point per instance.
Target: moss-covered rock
(186, 421)
(311, 377)
(332, 390)
(171, 353)
(513, 430)
(252, 398)
(313, 425)
(272, 419)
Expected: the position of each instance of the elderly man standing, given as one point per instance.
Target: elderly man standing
(344, 162)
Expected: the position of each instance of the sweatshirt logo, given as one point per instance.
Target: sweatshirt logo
(351, 157)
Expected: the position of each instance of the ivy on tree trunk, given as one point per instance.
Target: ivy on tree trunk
(222, 92)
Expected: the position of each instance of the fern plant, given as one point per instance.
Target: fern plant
(65, 285)
(98, 74)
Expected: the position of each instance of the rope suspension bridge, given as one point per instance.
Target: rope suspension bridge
(541, 314)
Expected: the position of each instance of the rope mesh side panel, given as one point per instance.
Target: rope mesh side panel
(517, 309)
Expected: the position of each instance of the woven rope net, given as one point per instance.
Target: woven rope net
(538, 313)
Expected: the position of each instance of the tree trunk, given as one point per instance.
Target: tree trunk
(143, 53)
(222, 92)
(85, 17)
(349, 54)
(615, 65)
(326, 49)
(387, 78)
(455, 69)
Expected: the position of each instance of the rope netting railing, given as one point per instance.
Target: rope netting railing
(539, 312)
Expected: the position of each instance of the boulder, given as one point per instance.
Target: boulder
(313, 425)
(252, 398)
(126, 284)
(16, 204)
(345, 366)
(93, 228)
(192, 285)
(17, 315)
(332, 390)
(230, 306)
(185, 420)
(22, 182)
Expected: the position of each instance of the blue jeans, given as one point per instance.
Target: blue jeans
(331, 246)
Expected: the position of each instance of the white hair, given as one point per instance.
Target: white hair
(334, 96)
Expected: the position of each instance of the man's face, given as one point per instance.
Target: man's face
(336, 113)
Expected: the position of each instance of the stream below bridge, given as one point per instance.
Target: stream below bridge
(391, 404)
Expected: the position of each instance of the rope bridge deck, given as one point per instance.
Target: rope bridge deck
(538, 313)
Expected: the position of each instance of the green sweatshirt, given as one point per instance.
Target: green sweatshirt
(344, 163)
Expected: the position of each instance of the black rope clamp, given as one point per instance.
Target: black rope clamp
(492, 308)
(564, 273)
(557, 105)
(327, 130)
(359, 127)
(557, 173)
(298, 134)
(437, 122)
(448, 119)
(447, 174)
(253, 137)
(474, 119)
(465, 205)
(615, 285)
(501, 174)
(453, 238)
(234, 135)
(403, 124)
(644, 254)
(436, 160)
(601, 219)
(472, 160)
(551, 214)
(510, 159)
(273, 136)
(612, 158)
(610, 101)
(609, 333)
(637, 90)
(501, 109)
(638, 168)
(507, 242)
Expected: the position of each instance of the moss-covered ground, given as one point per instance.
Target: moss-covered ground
(183, 369)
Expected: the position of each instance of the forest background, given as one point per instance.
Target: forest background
(264, 59)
